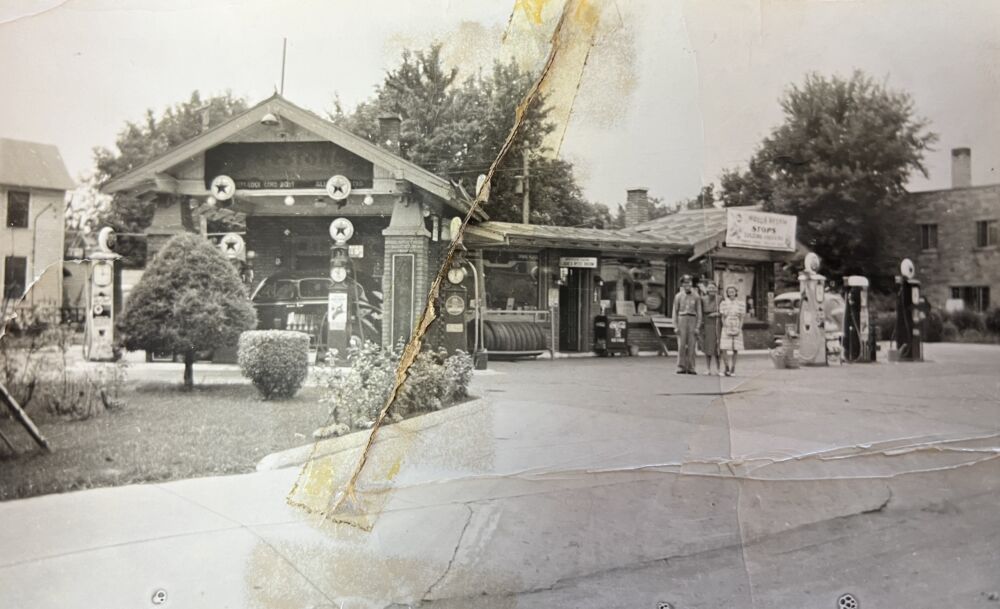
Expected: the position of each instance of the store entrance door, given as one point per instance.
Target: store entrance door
(572, 297)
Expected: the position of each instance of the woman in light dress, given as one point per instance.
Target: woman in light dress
(711, 320)
(732, 312)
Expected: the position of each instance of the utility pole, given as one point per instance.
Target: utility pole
(526, 206)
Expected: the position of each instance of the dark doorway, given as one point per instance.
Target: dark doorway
(572, 298)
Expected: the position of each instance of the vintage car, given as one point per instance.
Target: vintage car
(786, 311)
(298, 301)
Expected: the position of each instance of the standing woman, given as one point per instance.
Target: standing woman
(713, 324)
(732, 312)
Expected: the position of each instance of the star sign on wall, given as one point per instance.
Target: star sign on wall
(223, 188)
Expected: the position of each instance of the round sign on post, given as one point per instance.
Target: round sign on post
(232, 245)
(338, 187)
(223, 188)
(341, 230)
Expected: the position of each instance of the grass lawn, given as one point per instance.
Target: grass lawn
(162, 433)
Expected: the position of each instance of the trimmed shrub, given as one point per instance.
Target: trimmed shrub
(973, 336)
(886, 324)
(190, 298)
(949, 332)
(993, 320)
(276, 361)
(967, 319)
(935, 326)
(357, 394)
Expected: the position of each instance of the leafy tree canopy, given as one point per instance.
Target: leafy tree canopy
(189, 299)
(139, 142)
(456, 129)
(842, 155)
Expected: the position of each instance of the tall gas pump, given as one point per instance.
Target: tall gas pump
(339, 303)
(99, 332)
(909, 339)
(455, 298)
(859, 341)
(812, 337)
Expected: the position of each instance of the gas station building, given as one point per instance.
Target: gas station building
(307, 188)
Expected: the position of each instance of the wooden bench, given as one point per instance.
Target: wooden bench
(663, 326)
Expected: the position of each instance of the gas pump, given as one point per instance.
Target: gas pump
(338, 328)
(812, 337)
(859, 343)
(454, 295)
(908, 320)
(99, 333)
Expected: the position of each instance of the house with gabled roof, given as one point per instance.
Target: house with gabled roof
(33, 185)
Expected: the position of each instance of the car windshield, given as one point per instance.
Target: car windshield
(784, 304)
(284, 290)
(314, 288)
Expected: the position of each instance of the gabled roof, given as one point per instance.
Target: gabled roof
(704, 231)
(33, 165)
(285, 109)
(688, 226)
(509, 233)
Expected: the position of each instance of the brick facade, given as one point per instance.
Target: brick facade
(957, 261)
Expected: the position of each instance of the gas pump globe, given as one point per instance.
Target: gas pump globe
(99, 333)
(812, 336)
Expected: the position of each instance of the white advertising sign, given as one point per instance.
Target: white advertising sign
(337, 311)
(578, 262)
(760, 230)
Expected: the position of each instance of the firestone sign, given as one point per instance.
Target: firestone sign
(760, 230)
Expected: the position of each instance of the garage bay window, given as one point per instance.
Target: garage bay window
(511, 280)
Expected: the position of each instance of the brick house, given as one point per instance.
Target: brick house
(953, 236)
(33, 185)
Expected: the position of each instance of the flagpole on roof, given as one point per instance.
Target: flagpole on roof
(284, 48)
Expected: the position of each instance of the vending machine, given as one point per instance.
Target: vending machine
(908, 334)
(812, 336)
(859, 339)
(99, 330)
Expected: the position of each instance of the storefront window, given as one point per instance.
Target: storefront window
(632, 286)
(511, 280)
(743, 277)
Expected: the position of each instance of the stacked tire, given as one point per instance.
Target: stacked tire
(514, 337)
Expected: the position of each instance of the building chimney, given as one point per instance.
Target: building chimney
(961, 167)
(636, 206)
(388, 131)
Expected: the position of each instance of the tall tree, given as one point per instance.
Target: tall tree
(139, 142)
(456, 129)
(841, 157)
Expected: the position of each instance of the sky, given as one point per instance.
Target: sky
(673, 92)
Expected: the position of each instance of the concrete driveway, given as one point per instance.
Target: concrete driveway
(574, 483)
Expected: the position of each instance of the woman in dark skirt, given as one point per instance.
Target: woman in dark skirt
(713, 323)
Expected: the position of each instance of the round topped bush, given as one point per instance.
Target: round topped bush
(276, 361)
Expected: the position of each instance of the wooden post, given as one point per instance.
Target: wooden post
(23, 418)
